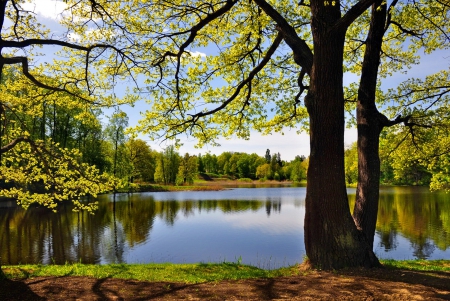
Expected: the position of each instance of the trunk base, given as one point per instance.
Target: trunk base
(367, 260)
(2, 275)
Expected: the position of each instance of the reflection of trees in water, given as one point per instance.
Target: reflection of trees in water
(136, 218)
(423, 218)
(388, 239)
(167, 211)
(85, 247)
(387, 222)
(40, 236)
(423, 248)
(273, 205)
(114, 247)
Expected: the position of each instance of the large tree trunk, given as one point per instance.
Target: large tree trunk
(332, 239)
(370, 125)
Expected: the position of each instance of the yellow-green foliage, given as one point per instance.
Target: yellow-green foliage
(43, 173)
(33, 168)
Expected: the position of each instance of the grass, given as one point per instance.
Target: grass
(245, 180)
(418, 265)
(162, 188)
(189, 273)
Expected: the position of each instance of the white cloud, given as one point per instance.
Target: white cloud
(196, 53)
(74, 37)
(51, 9)
(91, 35)
(350, 136)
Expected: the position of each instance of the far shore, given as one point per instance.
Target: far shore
(206, 185)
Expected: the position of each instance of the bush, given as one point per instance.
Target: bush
(277, 176)
(245, 180)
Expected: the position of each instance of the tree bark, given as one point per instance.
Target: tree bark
(332, 239)
(370, 124)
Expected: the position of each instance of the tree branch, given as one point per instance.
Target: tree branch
(193, 33)
(13, 143)
(406, 120)
(246, 81)
(404, 30)
(303, 55)
(250, 77)
(24, 61)
(389, 14)
(352, 14)
(439, 28)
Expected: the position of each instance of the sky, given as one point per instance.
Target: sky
(289, 144)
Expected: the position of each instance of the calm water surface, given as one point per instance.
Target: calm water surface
(258, 226)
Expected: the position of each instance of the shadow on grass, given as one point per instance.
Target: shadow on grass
(436, 279)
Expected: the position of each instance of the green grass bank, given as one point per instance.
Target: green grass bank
(190, 273)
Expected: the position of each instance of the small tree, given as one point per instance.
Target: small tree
(268, 157)
(143, 160)
(351, 164)
(264, 171)
(298, 171)
(115, 131)
(187, 171)
(167, 166)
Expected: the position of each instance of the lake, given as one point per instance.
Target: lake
(257, 226)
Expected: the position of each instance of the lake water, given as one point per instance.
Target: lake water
(257, 226)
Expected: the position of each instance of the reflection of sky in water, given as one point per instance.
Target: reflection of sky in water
(259, 194)
(257, 238)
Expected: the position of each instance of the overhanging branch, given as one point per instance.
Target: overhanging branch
(303, 55)
(352, 14)
(246, 82)
(24, 62)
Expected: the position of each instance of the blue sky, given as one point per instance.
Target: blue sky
(288, 145)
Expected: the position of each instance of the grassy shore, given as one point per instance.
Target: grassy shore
(190, 273)
(162, 188)
(203, 185)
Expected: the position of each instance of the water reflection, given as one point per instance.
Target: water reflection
(262, 226)
(415, 216)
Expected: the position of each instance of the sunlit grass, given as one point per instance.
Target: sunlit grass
(187, 273)
(190, 273)
(162, 188)
(418, 265)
